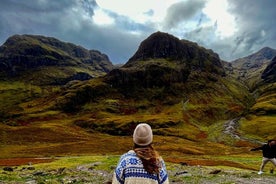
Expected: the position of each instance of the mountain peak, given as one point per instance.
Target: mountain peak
(163, 60)
(257, 59)
(161, 45)
(267, 53)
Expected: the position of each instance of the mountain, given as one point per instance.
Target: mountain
(162, 60)
(165, 46)
(46, 60)
(165, 73)
(255, 60)
(257, 72)
(183, 90)
(265, 92)
(269, 74)
(248, 69)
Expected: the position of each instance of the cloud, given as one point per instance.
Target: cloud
(202, 35)
(182, 11)
(256, 29)
(72, 21)
(232, 28)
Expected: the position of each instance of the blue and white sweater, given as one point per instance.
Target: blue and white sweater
(130, 170)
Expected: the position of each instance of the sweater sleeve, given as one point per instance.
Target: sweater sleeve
(118, 176)
(163, 175)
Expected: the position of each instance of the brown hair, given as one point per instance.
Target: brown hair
(149, 157)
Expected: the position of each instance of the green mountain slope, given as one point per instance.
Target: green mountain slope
(184, 91)
(167, 92)
(47, 61)
(260, 121)
(249, 69)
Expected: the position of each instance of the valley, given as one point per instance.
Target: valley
(203, 111)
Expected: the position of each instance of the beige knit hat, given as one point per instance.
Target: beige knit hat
(142, 135)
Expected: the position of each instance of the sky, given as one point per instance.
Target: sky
(231, 28)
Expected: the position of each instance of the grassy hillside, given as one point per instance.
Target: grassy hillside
(44, 60)
(260, 122)
(92, 117)
(99, 169)
(187, 102)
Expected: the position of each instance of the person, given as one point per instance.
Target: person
(269, 154)
(142, 165)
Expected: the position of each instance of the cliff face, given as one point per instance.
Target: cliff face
(162, 45)
(255, 60)
(163, 59)
(269, 74)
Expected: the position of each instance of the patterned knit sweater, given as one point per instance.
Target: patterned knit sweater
(130, 170)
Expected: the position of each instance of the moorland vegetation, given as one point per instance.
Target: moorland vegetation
(59, 99)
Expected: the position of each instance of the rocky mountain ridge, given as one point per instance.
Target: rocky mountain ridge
(249, 69)
(269, 74)
(165, 46)
(30, 54)
(255, 60)
(162, 60)
(182, 89)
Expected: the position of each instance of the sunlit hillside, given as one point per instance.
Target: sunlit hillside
(188, 99)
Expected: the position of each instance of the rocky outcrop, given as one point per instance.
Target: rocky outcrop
(165, 46)
(269, 74)
(255, 60)
(151, 76)
(162, 60)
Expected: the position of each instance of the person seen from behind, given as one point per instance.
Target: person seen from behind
(142, 165)
(269, 154)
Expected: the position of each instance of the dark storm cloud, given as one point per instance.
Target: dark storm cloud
(182, 11)
(31, 16)
(255, 30)
(34, 6)
(71, 21)
(255, 25)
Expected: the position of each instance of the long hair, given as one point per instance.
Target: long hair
(150, 158)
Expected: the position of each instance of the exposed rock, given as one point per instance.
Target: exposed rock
(163, 59)
(215, 171)
(269, 74)
(165, 46)
(10, 169)
(255, 60)
(181, 173)
(248, 69)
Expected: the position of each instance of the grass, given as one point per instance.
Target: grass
(99, 169)
(187, 120)
(258, 127)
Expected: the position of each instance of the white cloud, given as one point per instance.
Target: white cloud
(102, 18)
(217, 11)
(137, 10)
(232, 28)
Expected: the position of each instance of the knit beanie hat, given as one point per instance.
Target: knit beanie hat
(142, 135)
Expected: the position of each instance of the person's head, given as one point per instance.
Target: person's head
(271, 142)
(142, 138)
(142, 135)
